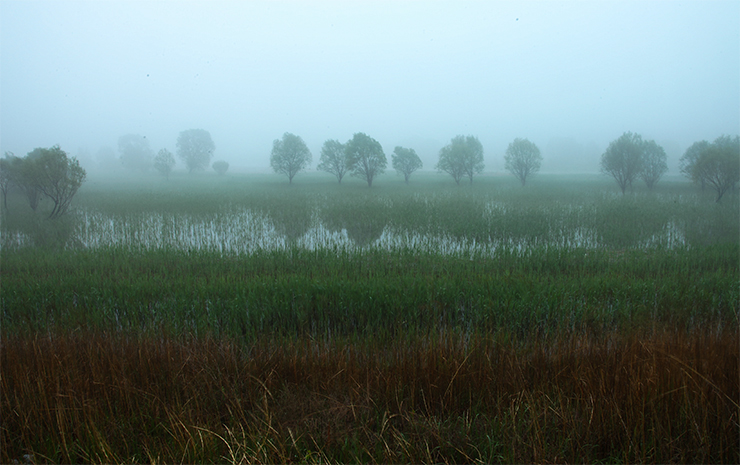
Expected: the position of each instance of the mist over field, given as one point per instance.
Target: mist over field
(569, 76)
(369, 231)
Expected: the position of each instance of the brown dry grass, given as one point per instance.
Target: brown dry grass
(661, 397)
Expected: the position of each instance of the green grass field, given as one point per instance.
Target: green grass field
(242, 319)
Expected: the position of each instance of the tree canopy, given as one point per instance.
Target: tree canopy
(45, 172)
(59, 178)
(405, 161)
(690, 158)
(630, 157)
(654, 163)
(623, 159)
(195, 147)
(462, 157)
(365, 157)
(220, 167)
(134, 152)
(289, 155)
(333, 159)
(164, 162)
(6, 176)
(716, 164)
(522, 159)
(22, 173)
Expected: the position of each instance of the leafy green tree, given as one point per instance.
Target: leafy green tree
(690, 158)
(654, 163)
(289, 155)
(164, 162)
(522, 159)
(719, 165)
(6, 175)
(365, 157)
(134, 152)
(333, 159)
(220, 167)
(405, 161)
(24, 174)
(195, 147)
(463, 157)
(58, 176)
(623, 159)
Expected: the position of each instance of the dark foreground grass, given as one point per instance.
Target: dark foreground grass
(661, 396)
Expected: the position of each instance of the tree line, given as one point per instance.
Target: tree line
(363, 157)
(716, 164)
(195, 148)
(51, 173)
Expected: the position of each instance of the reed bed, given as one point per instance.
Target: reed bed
(324, 293)
(658, 397)
(239, 320)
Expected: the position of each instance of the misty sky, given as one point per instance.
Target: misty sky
(570, 76)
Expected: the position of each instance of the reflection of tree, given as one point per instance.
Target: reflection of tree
(363, 233)
(644, 223)
(363, 227)
(291, 218)
(54, 235)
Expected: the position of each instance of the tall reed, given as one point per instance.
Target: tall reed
(447, 396)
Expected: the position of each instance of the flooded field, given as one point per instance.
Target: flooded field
(458, 224)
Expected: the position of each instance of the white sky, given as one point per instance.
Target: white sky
(81, 74)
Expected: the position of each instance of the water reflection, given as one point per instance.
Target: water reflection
(245, 231)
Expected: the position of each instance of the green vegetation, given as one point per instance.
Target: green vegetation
(522, 159)
(716, 164)
(43, 174)
(405, 161)
(333, 159)
(364, 157)
(164, 162)
(238, 319)
(289, 155)
(195, 147)
(462, 157)
(220, 167)
(630, 157)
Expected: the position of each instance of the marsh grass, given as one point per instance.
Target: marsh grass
(297, 291)
(657, 397)
(241, 320)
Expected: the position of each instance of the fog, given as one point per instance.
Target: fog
(570, 76)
